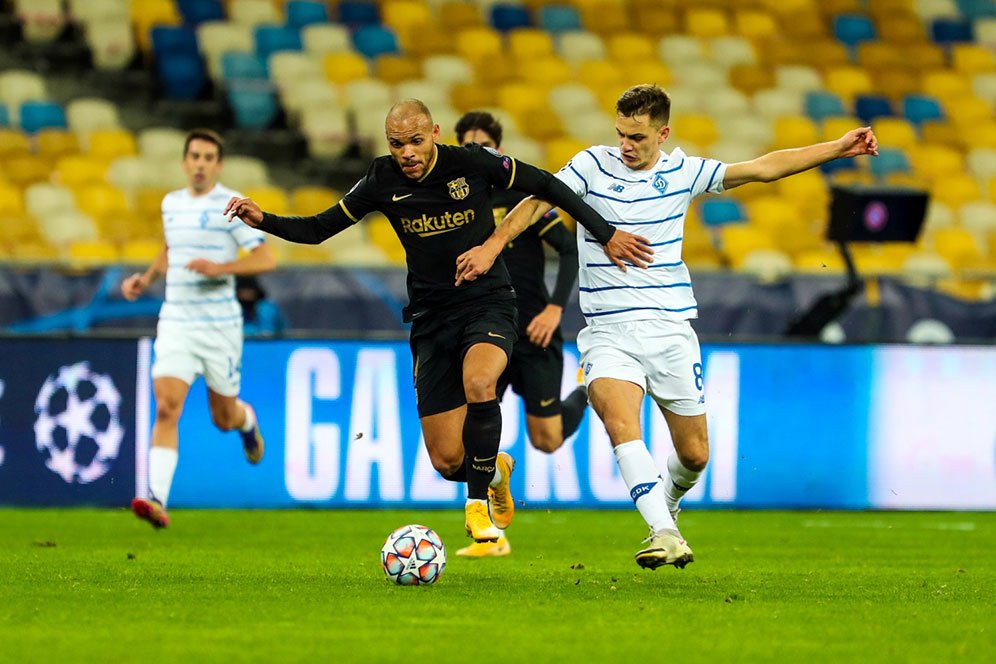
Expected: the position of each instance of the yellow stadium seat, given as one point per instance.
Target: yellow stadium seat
(110, 144)
(655, 21)
(697, 128)
(431, 40)
(604, 17)
(834, 128)
(598, 74)
(344, 67)
(11, 201)
(308, 254)
(271, 199)
(831, 8)
(706, 22)
(458, 15)
(479, 44)
(34, 252)
(149, 204)
(526, 43)
(404, 16)
(25, 170)
(547, 72)
(824, 261)
(561, 150)
(470, 96)
(896, 82)
(944, 83)
(849, 178)
(958, 246)
(76, 170)
(93, 252)
(775, 213)
(873, 261)
(519, 98)
(968, 112)
(804, 25)
(311, 200)
(956, 189)
(795, 131)
(923, 56)
(984, 136)
(397, 68)
(933, 161)
(941, 132)
(848, 82)
(739, 240)
(808, 190)
(55, 143)
(382, 235)
(13, 142)
(17, 228)
(777, 52)
(825, 54)
(901, 28)
(894, 133)
(141, 251)
(972, 59)
(755, 24)
(879, 55)
(630, 47)
(101, 202)
(146, 14)
(751, 78)
(541, 124)
(650, 71)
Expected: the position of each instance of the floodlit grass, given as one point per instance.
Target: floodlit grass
(97, 585)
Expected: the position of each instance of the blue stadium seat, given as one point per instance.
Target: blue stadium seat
(920, 108)
(374, 40)
(182, 75)
(837, 165)
(236, 64)
(852, 29)
(169, 39)
(973, 9)
(719, 211)
(508, 17)
(301, 13)
(357, 14)
(559, 18)
(37, 115)
(195, 12)
(823, 105)
(869, 107)
(4, 116)
(951, 30)
(254, 104)
(272, 38)
(889, 161)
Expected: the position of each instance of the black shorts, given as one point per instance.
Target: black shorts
(535, 374)
(440, 339)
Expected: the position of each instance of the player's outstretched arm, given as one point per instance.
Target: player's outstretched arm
(138, 283)
(303, 230)
(782, 163)
(476, 261)
(257, 261)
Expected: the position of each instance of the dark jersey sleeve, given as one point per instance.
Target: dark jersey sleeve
(504, 171)
(320, 227)
(554, 233)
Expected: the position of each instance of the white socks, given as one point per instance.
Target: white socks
(681, 479)
(645, 484)
(250, 417)
(162, 464)
(496, 480)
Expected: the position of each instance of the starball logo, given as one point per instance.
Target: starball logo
(426, 226)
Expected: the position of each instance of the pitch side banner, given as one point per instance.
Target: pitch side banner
(67, 422)
(790, 427)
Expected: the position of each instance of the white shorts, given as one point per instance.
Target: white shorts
(662, 357)
(185, 354)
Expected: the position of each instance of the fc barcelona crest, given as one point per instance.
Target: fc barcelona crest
(459, 189)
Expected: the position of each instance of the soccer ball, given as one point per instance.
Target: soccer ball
(413, 555)
(77, 427)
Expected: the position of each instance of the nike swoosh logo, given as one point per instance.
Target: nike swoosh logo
(491, 458)
(397, 198)
(496, 336)
(546, 402)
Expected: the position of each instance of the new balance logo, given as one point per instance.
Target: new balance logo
(397, 198)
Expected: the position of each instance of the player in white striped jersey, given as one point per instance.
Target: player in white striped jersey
(200, 323)
(638, 338)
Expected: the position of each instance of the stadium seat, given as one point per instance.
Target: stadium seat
(112, 44)
(301, 13)
(242, 172)
(80, 170)
(879, 54)
(172, 39)
(195, 12)
(957, 246)
(243, 66)
(985, 31)
(558, 18)
(457, 15)
(407, 19)
(11, 201)
(298, 94)
(869, 107)
(102, 202)
(432, 39)
(897, 83)
(506, 16)
(182, 75)
(140, 251)
(559, 151)
(826, 54)
(680, 50)
(766, 265)
(895, 132)
(472, 96)
(109, 144)
(478, 44)
(853, 29)
(55, 143)
(848, 82)
(944, 84)
(774, 103)
(13, 142)
(931, 9)
(968, 112)
(819, 261)
(729, 51)
(44, 199)
(24, 170)
(576, 47)
(344, 67)
(41, 20)
(979, 217)
(604, 17)
(495, 72)
(89, 113)
(286, 67)
(327, 130)
(309, 200)
(889, 161)
(751, 78)
(699, 129)
(270, 198)
(720, 211)
(971, 59)
(392, 68)
(950, 31)
(755, 24)
(216, 38)
(447, 69)
(982, 163)
(933, 161)
(834, 128)
(723, 103)
(739, 240)
(322, 38)
(546, 72)
(4, 116)
(66, 227)
(704, 76)
(630, 47)
(356, 14)
(525, 43)
(161, 142)
(570, 98)
(955, 190)
(973, 9)
(36, 115)
(92, 253)
(919, 108)
(145, 14)
(706, 22)
(822, 105)
(270, 39)
(365, 94)
(779, 52)
(251, 13)
(798, 78)
(592, 126)
(253, 103)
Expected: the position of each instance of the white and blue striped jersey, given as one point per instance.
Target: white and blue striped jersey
(652, 203)
(195, 227)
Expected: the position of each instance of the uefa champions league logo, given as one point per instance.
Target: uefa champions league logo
(77, 428)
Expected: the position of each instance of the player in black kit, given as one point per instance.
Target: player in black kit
(438, 200)
(537, 364)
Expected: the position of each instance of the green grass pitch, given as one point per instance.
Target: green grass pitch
(306, 586)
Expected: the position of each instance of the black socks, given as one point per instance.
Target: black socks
(481, 437)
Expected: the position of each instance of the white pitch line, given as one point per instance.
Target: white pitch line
(883, 525)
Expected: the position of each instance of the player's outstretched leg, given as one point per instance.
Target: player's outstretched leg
(252, 439)
(150, 510)
(486, 549)
(499, 492)
(666, 547)
(478, 522)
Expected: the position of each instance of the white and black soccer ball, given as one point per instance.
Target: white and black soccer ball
(77, 428)
(413, 555)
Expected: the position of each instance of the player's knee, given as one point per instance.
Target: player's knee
(695, 459)
(168, 409)
(224, 418)
(546, 441)
(446, 465)
(479, 387)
